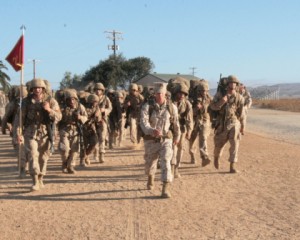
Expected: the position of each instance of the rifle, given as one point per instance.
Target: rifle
(127, 122)
(80, 133)
(50, 126)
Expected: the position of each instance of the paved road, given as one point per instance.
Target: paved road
(280, 125)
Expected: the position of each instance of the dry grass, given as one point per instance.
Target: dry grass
(292, 105)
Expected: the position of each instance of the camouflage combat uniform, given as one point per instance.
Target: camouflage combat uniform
(228, 127)
(105, 107)
(153, 118)
(247, 104)
(69, 129)
(36, 133)
(202, 123)
(117, 120)
(132, 106)
(89, 127)
(185, 115)
(9, 122)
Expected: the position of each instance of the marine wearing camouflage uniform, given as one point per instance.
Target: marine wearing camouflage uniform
(202, 123)
(132, 106)
(161, 129)
(9, 122)
(89, 127)
(38, 109)
(228, 127)
(247, 104)
(185, 115)
(73, 115)
(105, 107)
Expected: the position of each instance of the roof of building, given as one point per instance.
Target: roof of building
(153, 77)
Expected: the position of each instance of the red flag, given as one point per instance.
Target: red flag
(16, 56)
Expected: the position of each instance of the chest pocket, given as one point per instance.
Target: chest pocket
(68, 115)
(35, 113)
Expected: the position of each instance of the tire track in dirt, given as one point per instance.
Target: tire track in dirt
(138, 224)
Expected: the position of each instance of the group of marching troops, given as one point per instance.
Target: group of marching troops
(166, 118)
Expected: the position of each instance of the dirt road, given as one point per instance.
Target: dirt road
(110, 200)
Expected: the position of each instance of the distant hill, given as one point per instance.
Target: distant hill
(286, 90)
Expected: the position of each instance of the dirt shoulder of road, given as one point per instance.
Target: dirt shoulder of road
(110, 200)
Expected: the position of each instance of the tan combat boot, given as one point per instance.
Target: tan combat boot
(101, 158)
(216, 163)
(87, 160)
(22, 172)
(165, 190)
(150, 183)
(176, 173)
(64, 167)
(71, 170)
(232, 168)
(205, 161)
(193, 160)
(36, 185)
(41, 181)
(173, 169)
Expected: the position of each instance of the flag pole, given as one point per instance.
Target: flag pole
(21, 146)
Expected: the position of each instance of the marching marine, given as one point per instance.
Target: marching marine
(9, 122)
(247, 103)
(74, 115)
(159, 123)
(132, 106)
(185, 118)
(230, 108)
(105, 107)
(38, 112)
(89, 127)
(202, 123)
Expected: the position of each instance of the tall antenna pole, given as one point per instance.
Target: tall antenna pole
(114, 35)
(193, 70)
(34, 61)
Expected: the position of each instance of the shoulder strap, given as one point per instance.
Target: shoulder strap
(170, 108)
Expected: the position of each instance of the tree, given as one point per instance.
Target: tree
(4, 78)
(70, 82)
(117, 72)
(138, 67)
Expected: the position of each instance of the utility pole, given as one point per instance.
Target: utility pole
(114, 35)
(193, 70)
(34, 61)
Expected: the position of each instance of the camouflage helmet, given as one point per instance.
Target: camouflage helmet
(28, 86)
(119, 94)
(232, 79)
(179, 79)
(168, 94)
(82, 94)
(23, 91)
(183, 88)
(71, 93)
(140, 88)
(202, 86)
(92, 98)
(59, 95)
(133, 86)
(48, 86)
(99, 86)
(37, 83)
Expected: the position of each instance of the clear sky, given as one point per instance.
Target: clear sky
(257, 40)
